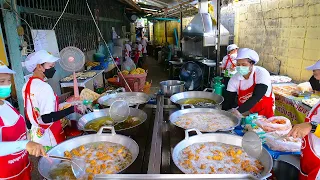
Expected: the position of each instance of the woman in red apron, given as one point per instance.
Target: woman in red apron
(41, 103)
(310, 149)
(252, 84)
(14, 162)
(228, 66)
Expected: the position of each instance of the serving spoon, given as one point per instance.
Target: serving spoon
(78, 165)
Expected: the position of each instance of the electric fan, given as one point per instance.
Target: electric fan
(191, 74)
(72, 59)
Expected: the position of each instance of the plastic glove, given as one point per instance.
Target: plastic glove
(80, 108)
(236, 113)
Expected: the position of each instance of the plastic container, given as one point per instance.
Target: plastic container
(99, 57)
(218, 86)
(146, 88)
(136, 82)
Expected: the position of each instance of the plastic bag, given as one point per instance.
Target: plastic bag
(278, 124)
(128, 65)
(287, 144)
(304, 87)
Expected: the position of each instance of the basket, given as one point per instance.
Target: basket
(135, 81)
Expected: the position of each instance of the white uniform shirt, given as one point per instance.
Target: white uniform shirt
(128, 49)
(44, 102)
(315, 141)
(224, 62)
(139, 47)
(262, 77)
(8, 115)
(144, 42)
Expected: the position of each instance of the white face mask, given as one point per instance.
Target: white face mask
(233, 56)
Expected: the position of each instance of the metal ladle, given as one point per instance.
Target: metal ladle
(78, 165)
(252, 144)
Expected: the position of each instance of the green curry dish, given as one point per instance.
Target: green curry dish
(96, 124)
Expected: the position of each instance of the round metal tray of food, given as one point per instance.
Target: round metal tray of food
(201, 99)
(204, 119)
(132, 98)
(217, 147)
(45, 165)
(94, 120)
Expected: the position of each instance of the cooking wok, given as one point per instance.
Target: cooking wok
(44, 165)
(234, 140)
(176, 98)
(135, 112)
(175, 116)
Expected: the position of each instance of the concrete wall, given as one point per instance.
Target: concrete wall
(286, 31)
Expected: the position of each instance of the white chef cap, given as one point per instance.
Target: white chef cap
(4, 69)
(232, 47)
(314, 67)
(246, 53)
(39, 57)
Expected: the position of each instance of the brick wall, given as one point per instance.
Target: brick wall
(286, 31)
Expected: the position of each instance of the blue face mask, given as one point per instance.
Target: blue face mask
(243, 70)
(5, 91)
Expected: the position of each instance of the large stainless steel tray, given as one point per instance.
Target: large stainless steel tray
(174, 116)
(230, 139)
(44, 165)
(108, 99)
(197, 94)
(135, 112)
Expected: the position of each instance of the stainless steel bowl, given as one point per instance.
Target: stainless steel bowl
(170, 87)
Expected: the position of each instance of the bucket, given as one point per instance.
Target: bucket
(283, 171)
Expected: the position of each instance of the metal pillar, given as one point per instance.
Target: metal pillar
(181, 26)
(218, 42)
(13, 41)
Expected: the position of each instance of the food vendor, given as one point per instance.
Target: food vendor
(228, 64)
(144, 43)
(127, 48)
(14, 161)
(310, 149)
(315, 78)
(41, 103)
(252, 84)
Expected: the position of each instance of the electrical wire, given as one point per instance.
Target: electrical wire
(64, 10)
(119, 71)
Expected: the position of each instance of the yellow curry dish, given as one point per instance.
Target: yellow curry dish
(96, 124)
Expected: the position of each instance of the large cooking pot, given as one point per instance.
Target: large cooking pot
(170, 87)
(135, 112)
(45, 165)
(179, 97)
(234, 140)
(175, 116)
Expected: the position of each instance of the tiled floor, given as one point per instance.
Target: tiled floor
(156, 73)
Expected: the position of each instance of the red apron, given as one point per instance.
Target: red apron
(136, 56)
(56, 127)
(309, 162)
(15, 166)
(229, 60)
(264, 107)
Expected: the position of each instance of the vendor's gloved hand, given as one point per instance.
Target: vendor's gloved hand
(300, 130)
(236, 113)
(80, 108)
